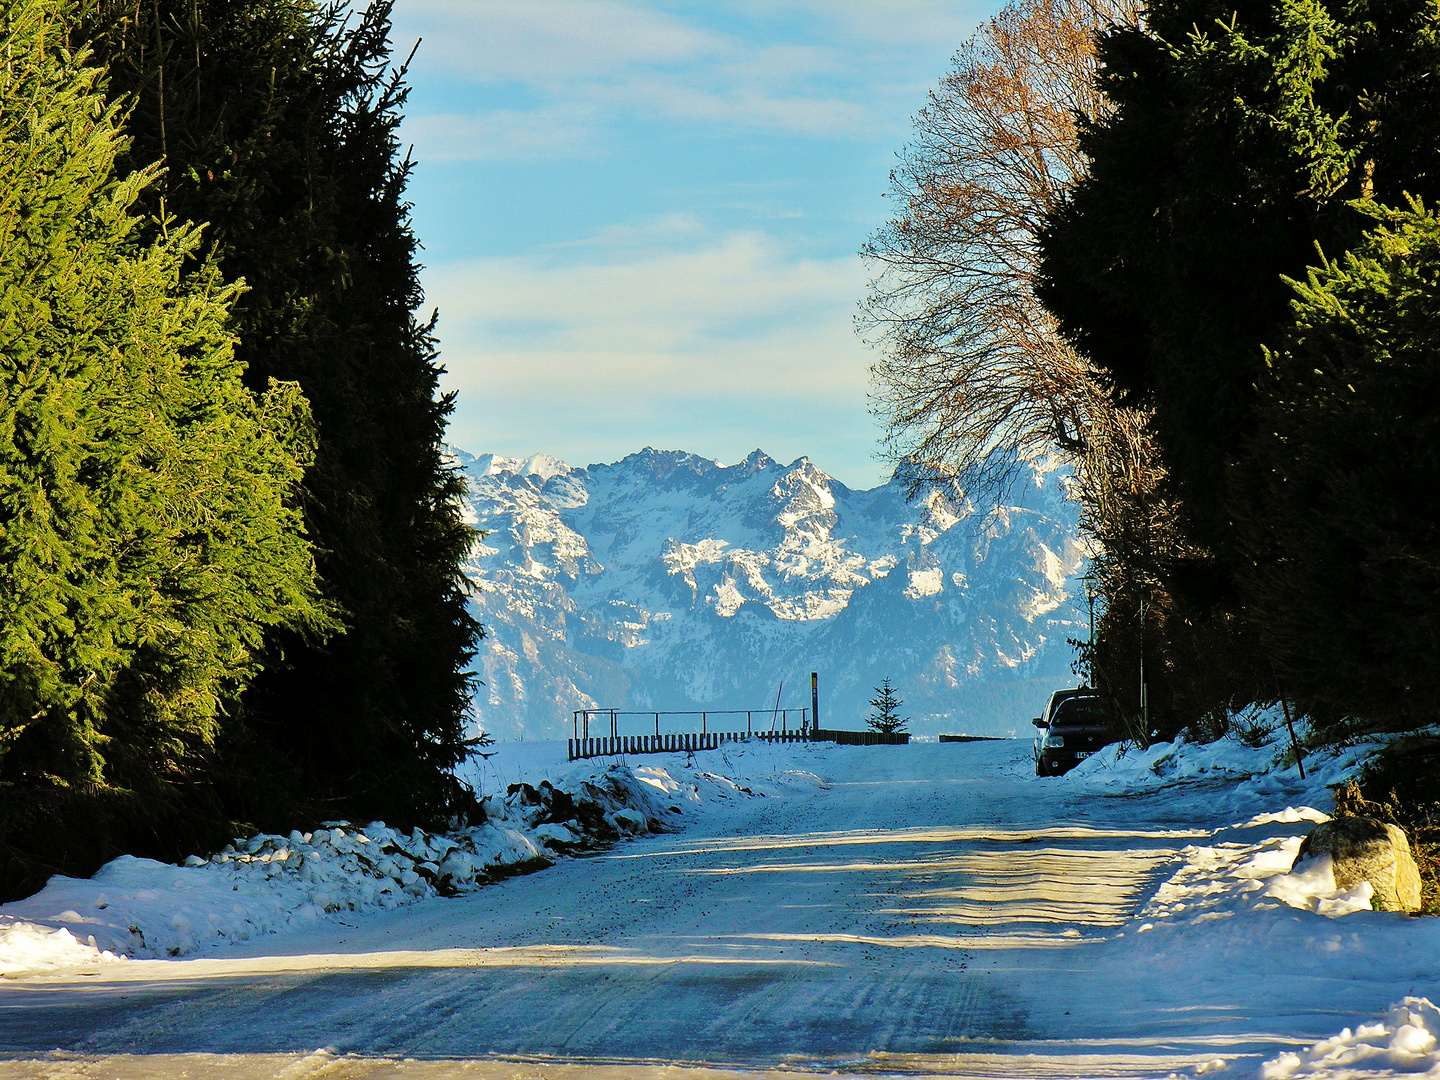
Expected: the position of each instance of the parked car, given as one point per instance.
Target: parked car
(1072, 729)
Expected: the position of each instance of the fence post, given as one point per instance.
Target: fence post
(814, 701)
(702, 723)
(657, 723)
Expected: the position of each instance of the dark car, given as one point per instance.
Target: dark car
(1072, 729)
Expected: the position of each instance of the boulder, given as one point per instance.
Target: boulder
(1368, 849)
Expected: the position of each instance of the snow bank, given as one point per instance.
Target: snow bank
(26, 948)
(1220, 880)
(139, 907)
(544, 808)
(1403, 1044)
(1119, 767)
(1233, 875)
(1240, 778)
(1122, 769)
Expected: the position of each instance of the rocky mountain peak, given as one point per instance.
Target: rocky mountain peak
(667, 580)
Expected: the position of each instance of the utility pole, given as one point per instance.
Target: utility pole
(814, 703)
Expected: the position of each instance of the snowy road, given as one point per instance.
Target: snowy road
(928, 909)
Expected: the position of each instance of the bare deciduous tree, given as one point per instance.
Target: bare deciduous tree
(973, 376)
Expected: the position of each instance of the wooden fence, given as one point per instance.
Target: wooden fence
(712, 740)
(679, 742)
(862, 738)
(612, 719)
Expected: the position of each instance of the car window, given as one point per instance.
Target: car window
(1078, 712)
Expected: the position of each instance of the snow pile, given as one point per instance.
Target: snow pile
(1404, 1043)
(1121, 767)
(1248, 771)
(1310, 886)
(140, 907)
(1219, 880)
(26, 948)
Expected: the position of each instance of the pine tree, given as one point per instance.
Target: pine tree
(277, 119)
(150, 533)
(885, 716)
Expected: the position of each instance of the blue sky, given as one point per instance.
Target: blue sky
(641, 219)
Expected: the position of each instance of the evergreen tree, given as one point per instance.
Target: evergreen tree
(885, 716)
(1345, 538)
(277, 119)
(150, 536)
(1239, 138)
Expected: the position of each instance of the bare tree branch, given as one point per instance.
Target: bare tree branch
(973, 377)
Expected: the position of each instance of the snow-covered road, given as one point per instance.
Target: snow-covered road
(929, 909)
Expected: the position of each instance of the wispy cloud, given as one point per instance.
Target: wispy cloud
(551, 42)
(659, 333)
(545, 134)
(718, 315)
(628, 60)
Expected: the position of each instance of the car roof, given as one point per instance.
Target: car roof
(1061, 696)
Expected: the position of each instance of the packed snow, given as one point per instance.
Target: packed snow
(1141, 916)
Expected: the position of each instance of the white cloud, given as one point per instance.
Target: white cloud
(549, 42)
(505, 135)
(656, 334)
(891, 23)
(728, 314)
(631, 60)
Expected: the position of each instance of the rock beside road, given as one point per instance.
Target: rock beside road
(1368, 849)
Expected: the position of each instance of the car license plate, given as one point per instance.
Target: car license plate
(1081, 754)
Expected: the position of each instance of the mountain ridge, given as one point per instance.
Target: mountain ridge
(667, 580)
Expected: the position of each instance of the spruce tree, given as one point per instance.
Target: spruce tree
(277, 119)
(1239, 137)
(1344, 575)
(150, 533)
(885, 717)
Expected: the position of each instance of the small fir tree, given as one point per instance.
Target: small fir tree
(886, 704)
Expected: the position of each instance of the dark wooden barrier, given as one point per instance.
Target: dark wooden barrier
(862, 738)
(669, 744)
(712, 740)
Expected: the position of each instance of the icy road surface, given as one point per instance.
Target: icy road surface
(929, 910)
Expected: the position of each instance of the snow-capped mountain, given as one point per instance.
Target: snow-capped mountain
(668, 581)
